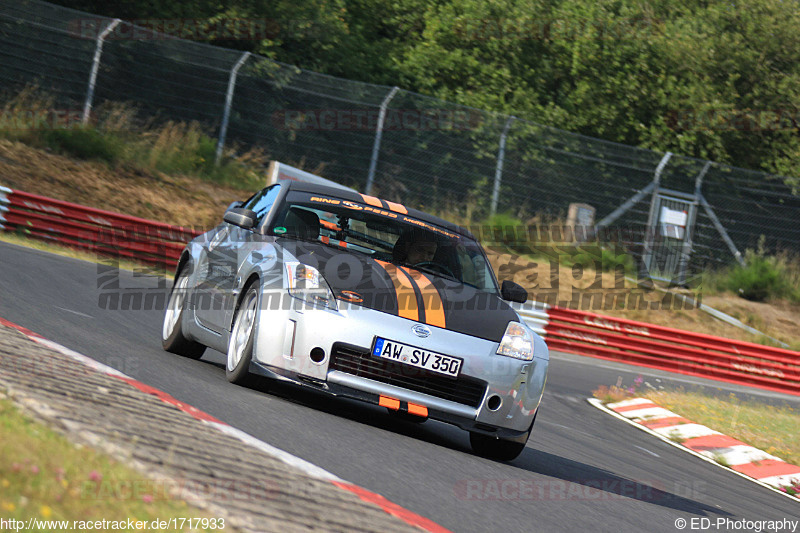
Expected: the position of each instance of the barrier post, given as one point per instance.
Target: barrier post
(226, 113)
(498, 173)
(98, 51)
(373, 163)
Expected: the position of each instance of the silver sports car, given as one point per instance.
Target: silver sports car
(362, 298)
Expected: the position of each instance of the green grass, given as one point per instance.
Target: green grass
(44, 476)
(83, 143)
(773, 429)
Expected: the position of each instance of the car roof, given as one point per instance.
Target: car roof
(362, 198)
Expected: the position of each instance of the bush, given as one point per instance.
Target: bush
(83, 143)
(762, 277)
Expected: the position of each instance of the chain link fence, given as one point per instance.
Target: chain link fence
(436, 155)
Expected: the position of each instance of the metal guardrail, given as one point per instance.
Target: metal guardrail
(95, 230)
(664, 348)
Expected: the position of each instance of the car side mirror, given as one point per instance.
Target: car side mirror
(513, 292)
(239, 216)
(234, 204)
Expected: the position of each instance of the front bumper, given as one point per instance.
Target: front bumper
(503, 396)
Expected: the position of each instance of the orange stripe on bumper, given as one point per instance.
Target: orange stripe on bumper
(406, 296)
(419, 410)
(391, 403)
(434, 308)
(397, 208)
(371, 200)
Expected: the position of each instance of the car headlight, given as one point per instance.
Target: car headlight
(307, 284)
(517, 342)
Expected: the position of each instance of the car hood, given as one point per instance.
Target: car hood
(359, 280)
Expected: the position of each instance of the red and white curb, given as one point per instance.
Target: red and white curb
(307, 468)
(705, 443)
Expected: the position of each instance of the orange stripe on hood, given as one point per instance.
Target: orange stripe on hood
(404, 291)
(371, 200)
(397, 208)
(434, 308)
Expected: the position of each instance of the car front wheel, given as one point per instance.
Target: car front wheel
(240, 345)
(500, 449)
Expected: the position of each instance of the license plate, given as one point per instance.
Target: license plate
(418, 357)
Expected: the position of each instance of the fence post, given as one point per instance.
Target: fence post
(98, 51)
(498, 173)
(226, 113)
(683, 264)
(373, 163)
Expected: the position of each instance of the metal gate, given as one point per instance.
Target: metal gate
(669, 235)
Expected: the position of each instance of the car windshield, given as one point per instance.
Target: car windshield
(385, 235)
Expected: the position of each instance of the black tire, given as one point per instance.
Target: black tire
(237, 366)
(494, 448)
(174, 340)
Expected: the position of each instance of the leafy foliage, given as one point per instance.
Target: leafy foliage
(763, 277)
(719, 81)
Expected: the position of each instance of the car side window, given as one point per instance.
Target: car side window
(262, 202)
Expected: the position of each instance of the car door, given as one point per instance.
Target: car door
(225, 253)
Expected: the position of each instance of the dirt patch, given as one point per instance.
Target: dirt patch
(172, 199)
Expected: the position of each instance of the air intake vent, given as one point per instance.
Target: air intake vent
(359, 362)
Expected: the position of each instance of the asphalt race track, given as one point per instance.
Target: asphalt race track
(582, 470)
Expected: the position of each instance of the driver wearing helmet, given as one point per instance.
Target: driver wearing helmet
(415, 247)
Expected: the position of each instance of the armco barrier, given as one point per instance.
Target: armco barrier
(653, 346)
(92, 229)
(565, 330)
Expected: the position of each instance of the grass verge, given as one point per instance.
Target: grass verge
(44, 476)
(118, 136)
(767, 427)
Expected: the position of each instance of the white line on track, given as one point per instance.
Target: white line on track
(73, 312)
(646, 450)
